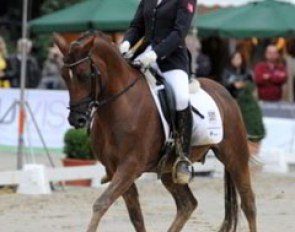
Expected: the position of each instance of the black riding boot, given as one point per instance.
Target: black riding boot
(184, 124)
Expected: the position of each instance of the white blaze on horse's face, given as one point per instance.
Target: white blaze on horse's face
(71, 75)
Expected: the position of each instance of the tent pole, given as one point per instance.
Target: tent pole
(22, 111)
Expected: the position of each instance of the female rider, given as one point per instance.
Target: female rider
(164, 24)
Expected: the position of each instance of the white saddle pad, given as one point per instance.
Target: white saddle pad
(205, 131)
(210, 129)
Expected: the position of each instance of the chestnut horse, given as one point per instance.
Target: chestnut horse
(127, 135)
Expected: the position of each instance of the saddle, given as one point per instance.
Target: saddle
(207, 126)
(207, 121)
(167, 99)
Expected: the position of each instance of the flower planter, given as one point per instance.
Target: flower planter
(78, 162)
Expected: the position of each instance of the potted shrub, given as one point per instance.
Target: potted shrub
(78, 152)
(252, 116)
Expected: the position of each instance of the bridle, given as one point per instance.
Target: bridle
(92, 100)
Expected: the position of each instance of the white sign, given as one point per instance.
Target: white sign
(280, 138)
(49, 110)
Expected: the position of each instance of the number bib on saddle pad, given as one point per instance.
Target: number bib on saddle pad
(207, 130)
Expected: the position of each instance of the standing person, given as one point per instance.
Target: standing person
(14, 66)
(236, 75)
(164, 24)
(51, 75)
(270, 76)
(238, 80)
(203, 65)
(4, 83)
(290, 61)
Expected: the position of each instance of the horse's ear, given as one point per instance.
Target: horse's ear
(87, 45)
(61, 43)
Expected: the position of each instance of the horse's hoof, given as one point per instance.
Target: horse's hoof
(182, 173)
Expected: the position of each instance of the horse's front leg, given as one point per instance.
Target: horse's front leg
(134, 209)
(184, 199)
(122, 180)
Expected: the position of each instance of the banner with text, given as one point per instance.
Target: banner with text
(49, 110)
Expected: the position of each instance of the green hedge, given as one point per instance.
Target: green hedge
(251, 113)
(77, 144)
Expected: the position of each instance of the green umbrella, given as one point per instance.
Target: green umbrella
(263, 19)
(106, 15)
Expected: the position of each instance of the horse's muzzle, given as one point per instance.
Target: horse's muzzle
(77, 120)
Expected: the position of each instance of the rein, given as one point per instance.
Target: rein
(117, 95)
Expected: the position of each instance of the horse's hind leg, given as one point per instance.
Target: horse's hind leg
(121, 182)
(242, 180)
(236, 161)
(184, 199)
(132, 202)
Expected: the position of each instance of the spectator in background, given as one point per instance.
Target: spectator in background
(290, 60)
(236, 75)
(202, 62)
(51, 73)
(270, 76)
(203, 65)
(14, 66)
(4, 83)
(238, 80)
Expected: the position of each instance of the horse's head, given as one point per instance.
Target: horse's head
(83, 73)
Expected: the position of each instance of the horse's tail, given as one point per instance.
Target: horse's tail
(231, 205)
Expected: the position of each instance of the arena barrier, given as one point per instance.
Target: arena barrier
(49, 108)
(35, 179)
(279, 143)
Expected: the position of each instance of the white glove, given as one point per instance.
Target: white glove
(147, 58)
(124, 47)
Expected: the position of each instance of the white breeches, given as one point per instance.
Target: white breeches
(179, 81)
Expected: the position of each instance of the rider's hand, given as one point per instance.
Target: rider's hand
(124, 47)
(146, 59)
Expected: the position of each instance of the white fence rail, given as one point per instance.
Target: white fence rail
(10, 177)
(35, 179)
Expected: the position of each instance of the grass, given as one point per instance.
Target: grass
(35, 150)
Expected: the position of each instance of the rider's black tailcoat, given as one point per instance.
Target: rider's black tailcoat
(165, 27)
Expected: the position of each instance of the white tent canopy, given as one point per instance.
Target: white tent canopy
(231, 2)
